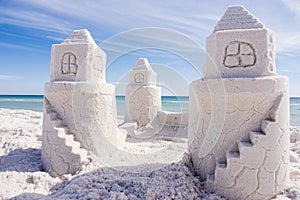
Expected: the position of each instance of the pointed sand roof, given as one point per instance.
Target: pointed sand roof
(237, 17)
(142, 64)
(82, 36)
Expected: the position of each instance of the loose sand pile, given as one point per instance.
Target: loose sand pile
(22, 177)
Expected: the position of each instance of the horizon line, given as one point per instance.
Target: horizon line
(115, 95)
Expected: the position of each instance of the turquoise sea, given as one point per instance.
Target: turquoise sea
(169, 103)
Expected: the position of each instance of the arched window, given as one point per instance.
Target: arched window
(139, 78)
(239, 54)
(69, 64)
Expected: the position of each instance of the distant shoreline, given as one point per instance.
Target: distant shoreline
(41, 95)
(169, 103)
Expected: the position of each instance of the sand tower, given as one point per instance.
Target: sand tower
(239, 112)
(143, 98)
(79, 106)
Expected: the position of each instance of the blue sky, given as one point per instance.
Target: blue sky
(29, 28)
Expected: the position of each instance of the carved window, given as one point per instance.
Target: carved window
(69, 64)
(139, 78)
(239, 54)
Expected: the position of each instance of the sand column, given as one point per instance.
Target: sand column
(143, 98)
(79, 105)
(239, 112)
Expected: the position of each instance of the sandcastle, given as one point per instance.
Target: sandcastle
(143, 98)
(239, 112)
(79, 106)
(238, 127)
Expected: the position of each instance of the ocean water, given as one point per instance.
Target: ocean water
(169, 103)
(26, 102)
(295, 111)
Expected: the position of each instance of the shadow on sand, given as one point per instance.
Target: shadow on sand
(22, 160)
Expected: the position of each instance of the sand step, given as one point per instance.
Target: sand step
(62, 133)
(71, 144)
(68, 139)
(56, 123)
(83, 153)
(233, 154)
(64, 137)
(222, 165)
(210, 183)
(227, 171)
(245, 144)
(52, 115)
(220, 170)
(210, 177)
(66, 129)
(256, 136)
(65, 149)
(75, 145)
(233, 160)
(267, 124)
(224, 176)
(245, 148)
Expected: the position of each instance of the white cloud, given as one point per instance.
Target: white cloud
(288, 43)
(34, 19)
(23, 47)
(293, 5)
(111, 16)
(157, 39)
(119, 83)
(10, 77)
(59, 39)
(16, 46)
(285, 70)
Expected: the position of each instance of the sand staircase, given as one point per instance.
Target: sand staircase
(228, 170)
(248, 164)
(61, 148)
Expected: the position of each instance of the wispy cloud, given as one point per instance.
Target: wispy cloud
(131, 13)
(59, 39)
(288, 43)
(112, 16)
(119, 83)
(34, 19)
(16, 46)
(10, 77)
(32, 48)
(288, 33)
(293, 5)
(157, 40)
(43, 20)
(285, 70)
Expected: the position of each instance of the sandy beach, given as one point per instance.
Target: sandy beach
(149, 100)
(22, 176)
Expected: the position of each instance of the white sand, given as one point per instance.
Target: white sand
(21, 175)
